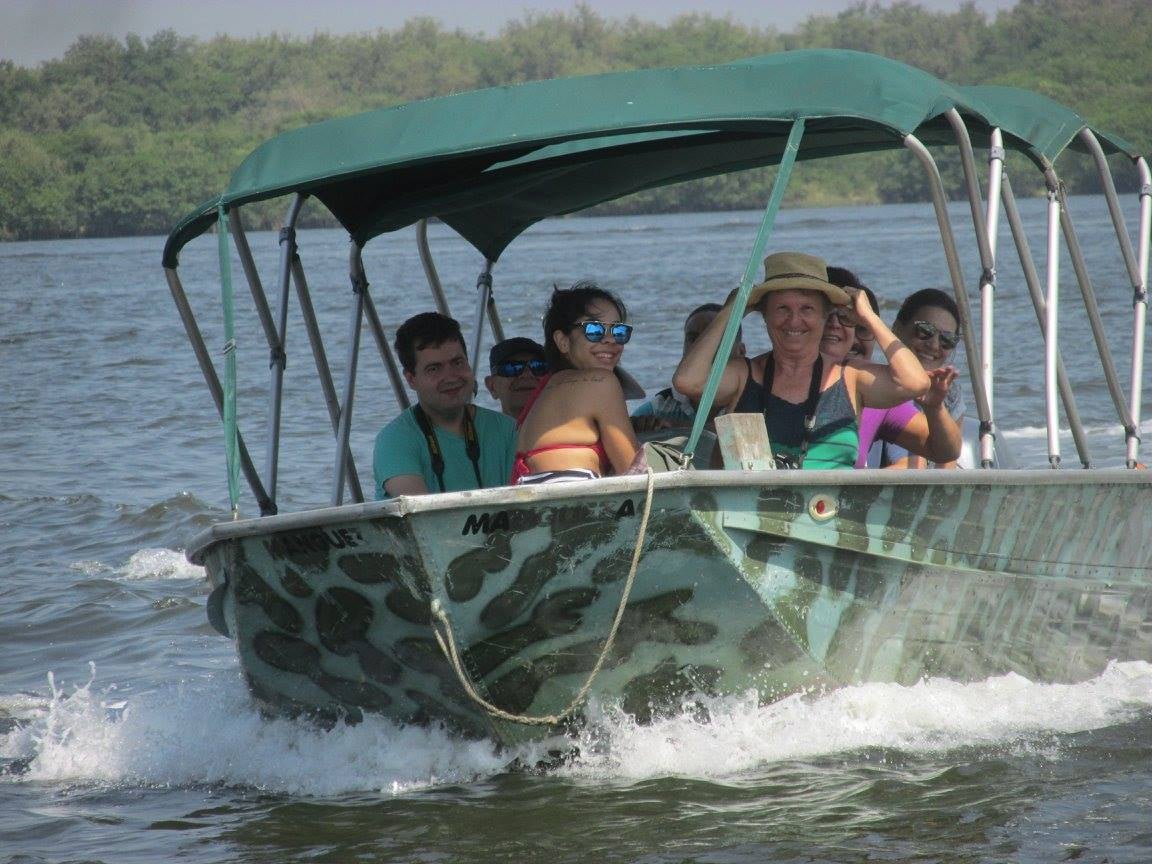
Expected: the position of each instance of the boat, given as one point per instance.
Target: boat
(503, 613)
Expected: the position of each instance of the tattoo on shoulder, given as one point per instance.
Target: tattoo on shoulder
(586, 377)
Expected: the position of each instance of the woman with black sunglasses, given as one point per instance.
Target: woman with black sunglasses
(575, 426)
(929, 323)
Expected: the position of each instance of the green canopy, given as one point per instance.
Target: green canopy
(1046, 126)
(492, 162)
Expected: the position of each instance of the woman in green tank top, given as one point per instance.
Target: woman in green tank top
(810, 402)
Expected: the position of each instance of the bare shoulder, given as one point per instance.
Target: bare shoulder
(600, 381)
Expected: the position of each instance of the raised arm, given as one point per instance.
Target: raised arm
(902, 379)
(945, 439)
(692, 374)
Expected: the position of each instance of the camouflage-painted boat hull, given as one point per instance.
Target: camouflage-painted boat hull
(771, 581)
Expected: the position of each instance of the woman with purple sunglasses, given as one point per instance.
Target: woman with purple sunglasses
(575, 425)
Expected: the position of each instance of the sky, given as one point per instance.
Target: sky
(32, 31)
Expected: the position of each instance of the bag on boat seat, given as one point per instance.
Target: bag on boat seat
(667, 453)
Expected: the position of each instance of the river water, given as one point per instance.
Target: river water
(126, 732)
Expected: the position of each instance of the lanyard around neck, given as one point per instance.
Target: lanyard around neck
(810, 403)
(471, 444)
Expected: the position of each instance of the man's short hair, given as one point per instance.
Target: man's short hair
(426, 330)
(509, 348)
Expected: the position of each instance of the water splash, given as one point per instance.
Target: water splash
(208, 732)
(934, 716)
(159, 564)
(144, 565)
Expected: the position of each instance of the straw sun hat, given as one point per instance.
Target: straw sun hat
(796, 271)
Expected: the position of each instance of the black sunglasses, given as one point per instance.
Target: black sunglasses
(594, 331)
(925, 330)
(515, 368)
(844, 318)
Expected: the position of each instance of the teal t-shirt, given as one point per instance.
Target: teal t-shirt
(401, 449)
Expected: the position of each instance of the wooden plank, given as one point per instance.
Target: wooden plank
(744, 443)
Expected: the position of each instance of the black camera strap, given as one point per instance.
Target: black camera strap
(809, 405)
(471, 443)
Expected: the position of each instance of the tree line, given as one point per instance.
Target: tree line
(124, 137)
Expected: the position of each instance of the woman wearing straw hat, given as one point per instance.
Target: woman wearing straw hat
(810, 402)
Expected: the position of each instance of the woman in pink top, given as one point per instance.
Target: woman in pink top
(924, 427)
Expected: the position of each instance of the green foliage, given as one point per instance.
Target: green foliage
(34, 190)
(124, 137)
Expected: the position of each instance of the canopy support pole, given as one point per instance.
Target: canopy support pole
(344, 427)
(1109, 187)
(775, 199)
(995, 181)
(208, 369)
(255, 287)
(1090, 305)
(1032, 280)
(487, 306)
(390, 365)
(984, 228)
(323, 370)
(1137, 274)
(1051, 320)
(948, 239)
(430, 268)
(252, 275)
(279, 359)
(1140, 310)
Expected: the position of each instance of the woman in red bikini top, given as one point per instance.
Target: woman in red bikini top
(575, 426)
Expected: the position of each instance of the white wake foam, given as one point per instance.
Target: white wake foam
(145, 565)
(159, 564)
(935, 715)
(208, 732)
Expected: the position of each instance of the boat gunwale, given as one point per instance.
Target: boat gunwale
(500, 496)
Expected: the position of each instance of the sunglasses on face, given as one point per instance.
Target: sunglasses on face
(515, 368)
(594, 331)
(925, 330)
(844, 319)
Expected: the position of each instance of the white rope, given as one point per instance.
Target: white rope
(447, 642)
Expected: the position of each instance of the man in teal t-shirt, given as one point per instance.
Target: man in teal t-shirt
(443, 443)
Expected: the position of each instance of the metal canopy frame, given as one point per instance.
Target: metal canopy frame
(979, 352)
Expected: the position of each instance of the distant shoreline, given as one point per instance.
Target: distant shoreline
(124, 137)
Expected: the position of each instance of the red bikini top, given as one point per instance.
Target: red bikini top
(520, 467)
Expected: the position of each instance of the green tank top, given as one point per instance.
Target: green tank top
(835, 437)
